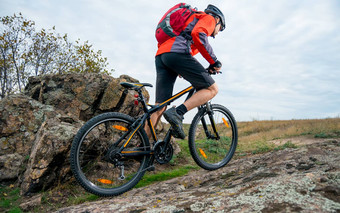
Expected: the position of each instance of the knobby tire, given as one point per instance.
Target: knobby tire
(98, 134)
(213, 153)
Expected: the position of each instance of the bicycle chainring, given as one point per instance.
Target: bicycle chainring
(166, 155)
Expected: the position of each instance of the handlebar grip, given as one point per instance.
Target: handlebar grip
(213, 73)
(212, 67)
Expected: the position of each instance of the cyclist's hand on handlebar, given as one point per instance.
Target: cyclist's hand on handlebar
(215, 68)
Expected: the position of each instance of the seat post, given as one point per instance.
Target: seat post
(141, 98)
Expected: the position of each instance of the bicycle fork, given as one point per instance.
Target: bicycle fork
(212, 121)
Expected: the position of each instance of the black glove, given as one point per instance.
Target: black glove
(212, 67)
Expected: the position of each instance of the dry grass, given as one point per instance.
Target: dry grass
(255, 135)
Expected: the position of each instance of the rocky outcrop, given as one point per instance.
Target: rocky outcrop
(35, 139)
(37, 129)
(84, 95)
(291, 180)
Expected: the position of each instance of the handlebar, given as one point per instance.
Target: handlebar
(212, 67)
(214, 72)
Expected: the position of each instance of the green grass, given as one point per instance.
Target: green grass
(262, 148)
(181, 164)
(332, 134)
(82, 199)
(288, 144)
(165, 175)
(9, 199)
(68, 194)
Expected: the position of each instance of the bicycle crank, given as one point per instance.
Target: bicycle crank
(163, 152)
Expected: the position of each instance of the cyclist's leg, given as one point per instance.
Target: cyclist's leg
(191, 70)
(164, 86)
(155, 117)
(201, 97)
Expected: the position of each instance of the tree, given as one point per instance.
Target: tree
(5, 83)
(88, 60)
(13, 46)
(42, 51)
(27, 52)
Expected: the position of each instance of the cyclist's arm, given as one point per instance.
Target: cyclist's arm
(204, 28)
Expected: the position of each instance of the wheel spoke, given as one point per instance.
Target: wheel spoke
(95, 158)
(213, 137)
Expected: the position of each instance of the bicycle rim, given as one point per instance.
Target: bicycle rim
(93, 169)
(213, 138)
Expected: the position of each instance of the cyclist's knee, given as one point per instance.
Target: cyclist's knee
(213, 90)
(163, 109)
(160, 112)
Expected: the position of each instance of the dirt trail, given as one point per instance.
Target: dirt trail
(301, 140)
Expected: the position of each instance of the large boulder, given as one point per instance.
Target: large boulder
(37, 129)
(34, 141)
(84, 95)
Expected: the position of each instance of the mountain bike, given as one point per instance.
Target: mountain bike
(111, 152)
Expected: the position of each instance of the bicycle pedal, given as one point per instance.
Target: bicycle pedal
(151, 168)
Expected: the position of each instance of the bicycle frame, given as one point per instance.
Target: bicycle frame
(116, 143)
(139, 123)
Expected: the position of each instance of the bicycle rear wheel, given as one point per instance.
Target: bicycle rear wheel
(213, 137)
(97, 164)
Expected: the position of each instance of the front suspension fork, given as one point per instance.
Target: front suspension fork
(212, 121)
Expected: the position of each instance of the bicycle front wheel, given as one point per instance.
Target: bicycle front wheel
(213, 137)
(95, 159)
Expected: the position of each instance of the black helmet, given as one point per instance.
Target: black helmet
(214, 11)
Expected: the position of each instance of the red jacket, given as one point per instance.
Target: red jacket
(200, 26)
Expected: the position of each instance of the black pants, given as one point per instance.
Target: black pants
(170, 65)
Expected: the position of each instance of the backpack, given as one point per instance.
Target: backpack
(172, 23)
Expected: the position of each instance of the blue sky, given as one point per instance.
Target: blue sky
(281, 59)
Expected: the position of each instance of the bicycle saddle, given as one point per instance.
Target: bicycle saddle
(135, 85)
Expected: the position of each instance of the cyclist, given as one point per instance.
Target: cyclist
(175, 58)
